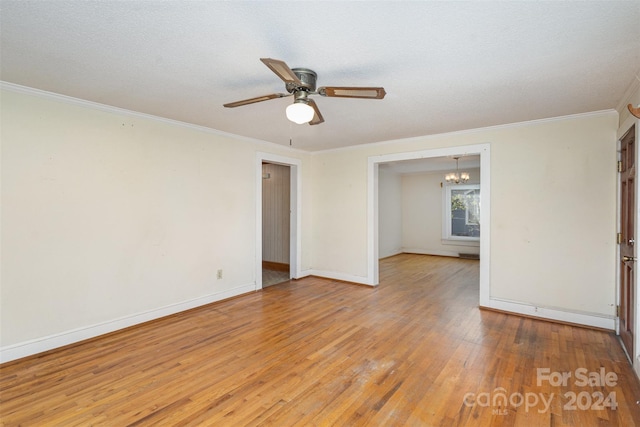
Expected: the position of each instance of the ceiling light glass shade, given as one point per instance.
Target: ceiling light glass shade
(457, 177)
(300, 113)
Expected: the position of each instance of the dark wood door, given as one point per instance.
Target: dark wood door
(627, 244)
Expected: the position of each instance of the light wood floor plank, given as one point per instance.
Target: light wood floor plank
(321, 352)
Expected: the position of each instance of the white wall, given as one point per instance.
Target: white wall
(339, 201)
(390, 211)
(109, 219)
(553, 201)
(422, 215)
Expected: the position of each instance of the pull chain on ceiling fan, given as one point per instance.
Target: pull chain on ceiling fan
(301, 83)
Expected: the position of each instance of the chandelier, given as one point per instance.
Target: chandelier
(457, 177)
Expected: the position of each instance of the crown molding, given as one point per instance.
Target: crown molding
(12, 87)
(117, 110)
(471, 131)
(634, 86)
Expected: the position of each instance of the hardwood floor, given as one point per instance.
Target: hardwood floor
(415, 351)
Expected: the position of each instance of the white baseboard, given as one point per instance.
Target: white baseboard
(39, 345)
(436, 252)
(595, 320)
(588, 319)
(338, 276)
(389, 254)
(304, 273)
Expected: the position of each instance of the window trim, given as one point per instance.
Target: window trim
(447, 238)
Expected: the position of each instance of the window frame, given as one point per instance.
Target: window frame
(447, 238)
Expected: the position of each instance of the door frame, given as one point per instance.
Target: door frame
(627, 205)
(295, 203)
(484, 151)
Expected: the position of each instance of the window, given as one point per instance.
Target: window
(461, 213)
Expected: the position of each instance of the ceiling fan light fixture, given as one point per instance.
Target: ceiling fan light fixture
(300, 112)
(301, 83)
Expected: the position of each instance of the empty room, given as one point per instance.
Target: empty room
(292, 213)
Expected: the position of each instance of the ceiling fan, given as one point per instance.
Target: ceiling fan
(301, 83)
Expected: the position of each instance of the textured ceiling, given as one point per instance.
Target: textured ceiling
(446, 66)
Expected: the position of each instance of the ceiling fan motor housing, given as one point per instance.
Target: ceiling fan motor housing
(307, 77)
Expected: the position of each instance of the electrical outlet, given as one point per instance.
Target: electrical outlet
(219, 275)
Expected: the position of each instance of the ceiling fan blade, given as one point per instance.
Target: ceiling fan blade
(256, 99)
(282, 70)
(317, 117)
(353, 92)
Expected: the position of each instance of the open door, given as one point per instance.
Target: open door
(627, 241)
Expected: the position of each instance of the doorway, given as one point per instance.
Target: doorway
(421, 212)
(276, 190)
(483, 150)
(294, 168)
(627, 240)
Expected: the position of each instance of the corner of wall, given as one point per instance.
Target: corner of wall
(631, 96)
